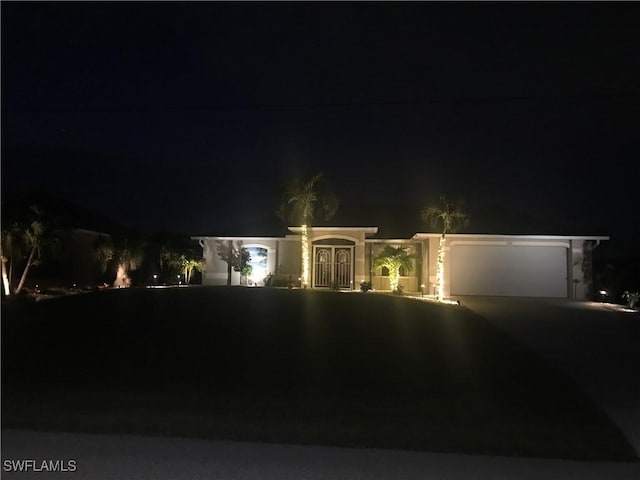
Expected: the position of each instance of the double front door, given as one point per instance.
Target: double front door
(333, 266)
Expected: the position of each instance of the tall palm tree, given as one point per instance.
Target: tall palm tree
(9, 250)
(448, 217)
(189, 265)
(22, 240)
(33, 240)
(304, 199)
(394, 258)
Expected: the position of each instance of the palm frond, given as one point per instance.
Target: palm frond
(306, 198)
(447, 216)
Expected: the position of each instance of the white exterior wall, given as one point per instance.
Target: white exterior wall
(215, 271)
(582, 289)
(289, 257)
(510, 257)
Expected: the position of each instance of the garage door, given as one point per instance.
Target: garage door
(527, 271)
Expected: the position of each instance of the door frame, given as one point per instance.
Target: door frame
(332, 263)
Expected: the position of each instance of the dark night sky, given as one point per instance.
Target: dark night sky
(186, 116)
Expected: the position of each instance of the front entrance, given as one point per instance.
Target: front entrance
(333, 265)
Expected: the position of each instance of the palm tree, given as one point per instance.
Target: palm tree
(304, 199)
(394, 258)
(128, 256)
(9, 249)
(448, 217)
(33, 240)
(104, 252)
(188, 267)
(119, 256)
(23, 239)
(231, 253)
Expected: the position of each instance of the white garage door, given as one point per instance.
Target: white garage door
(526, 271)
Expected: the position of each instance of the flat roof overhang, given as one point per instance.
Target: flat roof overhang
(474, 236)
(366, 230)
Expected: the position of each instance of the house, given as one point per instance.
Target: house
(475, 264)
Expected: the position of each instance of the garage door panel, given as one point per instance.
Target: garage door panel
(508, 270)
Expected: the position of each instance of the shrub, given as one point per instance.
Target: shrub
(276, 280)
(632, 298)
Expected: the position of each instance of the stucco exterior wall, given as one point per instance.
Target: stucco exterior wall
(289, 258)
(215, 272)
(284, 259)
(581, 281)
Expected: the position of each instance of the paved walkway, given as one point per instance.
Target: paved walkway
(106, 457)
(598, 344)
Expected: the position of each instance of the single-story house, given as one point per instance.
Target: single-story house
(475, 264)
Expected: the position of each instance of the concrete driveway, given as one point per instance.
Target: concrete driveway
(598, 344)
(117, 457)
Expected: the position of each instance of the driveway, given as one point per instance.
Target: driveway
(598, 344)
(592, 342)
(117, 457)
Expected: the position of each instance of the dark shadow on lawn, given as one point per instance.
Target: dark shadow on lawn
(287, 366)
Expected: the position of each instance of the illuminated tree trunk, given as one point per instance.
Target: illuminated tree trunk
(440, 269)
(26, 270)
(305, 256)
(122, 278)
(394, 277)
(5, 276)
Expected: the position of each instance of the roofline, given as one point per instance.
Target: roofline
(247, 237)
(417, 236)
(83, 230)
(515, 237)
(371, 230)
(389, 240)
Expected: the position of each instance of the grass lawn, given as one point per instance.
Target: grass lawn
(291, 366)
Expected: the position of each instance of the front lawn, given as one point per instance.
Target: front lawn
(291, 366)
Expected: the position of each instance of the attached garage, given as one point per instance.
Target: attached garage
(508, 269)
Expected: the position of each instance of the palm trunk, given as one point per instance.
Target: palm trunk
(230, 261)
(305, 256)
(440, 269)
(5, 275)
(394, 279)
(10, 272)
(26, 270)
